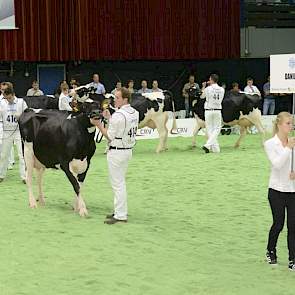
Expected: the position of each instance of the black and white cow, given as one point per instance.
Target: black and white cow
(237, 109)
(41, 102)
(57, 139)
(153, 112)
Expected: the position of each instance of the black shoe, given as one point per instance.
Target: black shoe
(205, 149)
(1, 179)
(291, 265)
(114, 220)
(271, 257)
(108, 216)
(24, 181)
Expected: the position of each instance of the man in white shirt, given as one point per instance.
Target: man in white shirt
(155, 87)
(3, 86)
(214, 95)
(250, 88)
(120, 134)
(11, 108)
(35, 91)
(97, 85)
(144, 88)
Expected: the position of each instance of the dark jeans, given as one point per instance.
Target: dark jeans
(279, 202)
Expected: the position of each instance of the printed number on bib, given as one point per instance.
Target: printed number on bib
(132, 132)
(216, 96)
(11, 119)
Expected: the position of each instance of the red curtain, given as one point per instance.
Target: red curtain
(55, 30)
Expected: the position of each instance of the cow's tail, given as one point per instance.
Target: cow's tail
(174, 125)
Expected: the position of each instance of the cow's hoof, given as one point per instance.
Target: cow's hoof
(236, 146)
(41, 201)
(33, 203)
(194, 146)
(83, 212)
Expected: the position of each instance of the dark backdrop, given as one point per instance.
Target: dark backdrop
(54, 30)
(170, 74)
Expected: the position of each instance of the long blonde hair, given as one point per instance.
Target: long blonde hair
(279, 119)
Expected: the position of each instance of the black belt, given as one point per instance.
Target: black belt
(212, 109)
(118, 148)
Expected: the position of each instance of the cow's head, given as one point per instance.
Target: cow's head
(82, 93)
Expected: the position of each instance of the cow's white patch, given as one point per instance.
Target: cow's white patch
(154, 95)
(57, 166)
(37, 110)
(69, 117)
(91, 129)
(89, 100)
(78, 166)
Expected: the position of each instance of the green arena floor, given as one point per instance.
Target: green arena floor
(198, 224)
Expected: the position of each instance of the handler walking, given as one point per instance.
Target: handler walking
(120, 134)
(214, 95)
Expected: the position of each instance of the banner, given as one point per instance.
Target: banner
(7, 15)
(282, 73)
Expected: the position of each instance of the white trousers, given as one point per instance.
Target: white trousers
(118, 164)
(11, 158)
(7, 144)
(213, 126)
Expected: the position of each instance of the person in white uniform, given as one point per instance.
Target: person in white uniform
(64, 98)
(11, 108)
(3, 86)
(281, 188)
(120, 134)
(213, 119)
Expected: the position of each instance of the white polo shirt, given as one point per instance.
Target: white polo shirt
(123, 127)
(280, 159)
(10, 112)
(214, 95)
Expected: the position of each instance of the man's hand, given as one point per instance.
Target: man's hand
(106, 114)
(96, 122)
(204, 84)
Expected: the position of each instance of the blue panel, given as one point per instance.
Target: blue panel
(50, 76)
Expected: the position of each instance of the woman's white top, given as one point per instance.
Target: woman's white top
(280, 159)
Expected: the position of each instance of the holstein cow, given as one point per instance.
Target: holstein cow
(153, 108)
(237, 109)
(58, 139)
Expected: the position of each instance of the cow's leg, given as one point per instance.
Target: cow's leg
(80, 202)
(199, 125)
(160, 122)
(260, 129)
(243, 131)
(40, 172)
(29, 161)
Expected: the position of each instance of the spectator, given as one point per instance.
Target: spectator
(130, 86)
(269, 99)
(64, 98)
(74, 83)
(235, 88)
(97, 85)
(185, 93)
(118, 87)
(144, 88)
(35, 91)
(250, 88)
(155, 87)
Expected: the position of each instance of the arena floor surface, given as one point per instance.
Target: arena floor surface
(198, 224)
